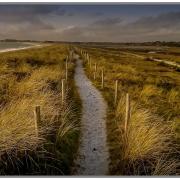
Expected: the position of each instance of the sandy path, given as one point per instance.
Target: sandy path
(93, 152)
(170, 63)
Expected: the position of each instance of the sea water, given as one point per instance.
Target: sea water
(13, 45)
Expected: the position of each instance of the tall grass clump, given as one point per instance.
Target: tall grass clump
(146, 140)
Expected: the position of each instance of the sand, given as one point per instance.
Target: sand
(93, 154)
(21, 48)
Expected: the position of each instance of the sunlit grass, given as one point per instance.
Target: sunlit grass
(32, 78)
(153, 130)
(146, 140)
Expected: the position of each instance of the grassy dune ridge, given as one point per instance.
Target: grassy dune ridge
(29, 78)
(151, 145)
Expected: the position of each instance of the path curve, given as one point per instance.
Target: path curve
(93, 155)
(170, 63)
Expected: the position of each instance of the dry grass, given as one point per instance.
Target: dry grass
(153, 130)
(150, 90)
(166, 166)
(30, 78)
(147, 138)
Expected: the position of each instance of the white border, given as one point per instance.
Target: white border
(91, 1)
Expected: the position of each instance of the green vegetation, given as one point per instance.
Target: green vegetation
(151, 145)
(29, 78)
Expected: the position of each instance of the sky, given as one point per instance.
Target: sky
(91, 22)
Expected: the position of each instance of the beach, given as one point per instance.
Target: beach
(21, 48)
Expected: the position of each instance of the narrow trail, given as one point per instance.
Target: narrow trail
(170, 63)
(93, 155)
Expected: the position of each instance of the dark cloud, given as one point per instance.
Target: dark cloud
(73, 33)
(60, 12)
(97, 14)
(30, 15)
(107, 22)
(29, 9)
(167, 20)
(22, 22)
(70, 14)
(162, 27)
(43, 22)
(26, 18)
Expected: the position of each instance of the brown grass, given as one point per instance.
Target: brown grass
(30, 78)
(147, 139)
(153, 130)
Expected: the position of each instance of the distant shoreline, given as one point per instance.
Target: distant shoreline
(20, 48)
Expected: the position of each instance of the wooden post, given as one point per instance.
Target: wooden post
(127, 117)
(66, 69)
(102, 78)
(88, 59)
(94, 75)
(37, 116)
(89, 63)
(62, 91)
(95, 69)
(72, 55)
(69, 56)
(116, 92)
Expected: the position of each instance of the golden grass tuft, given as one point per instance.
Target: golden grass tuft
(150, 90)
(173, 96)
(148, 136)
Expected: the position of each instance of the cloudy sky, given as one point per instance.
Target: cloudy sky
(110, 23)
